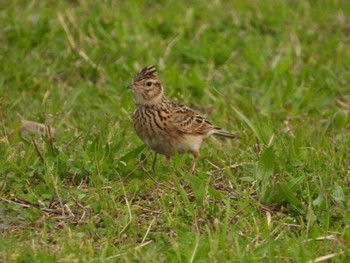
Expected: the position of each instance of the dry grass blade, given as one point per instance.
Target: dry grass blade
(129, 210)
(51, 134)
(26, 204)
(233, 166)
(144, 244)
(138, 166)
(37, 150)
(115, 256)
(73, 44)
(326, 257)
(195, 249)
(332, 238)
(158, 183)
(148, 229)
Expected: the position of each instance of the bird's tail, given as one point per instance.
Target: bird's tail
(220, 133)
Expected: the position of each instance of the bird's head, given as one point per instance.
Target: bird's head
(146, 87)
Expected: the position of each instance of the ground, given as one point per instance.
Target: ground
(276, 73)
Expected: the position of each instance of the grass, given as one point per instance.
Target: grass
(274, 72)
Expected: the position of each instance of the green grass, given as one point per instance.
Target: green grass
(274, 72)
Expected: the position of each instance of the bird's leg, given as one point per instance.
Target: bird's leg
(154, 161)
(166, 162)
(196, 156)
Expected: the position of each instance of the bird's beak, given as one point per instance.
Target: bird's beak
(131, 86)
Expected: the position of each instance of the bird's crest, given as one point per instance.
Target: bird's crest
(146, 73)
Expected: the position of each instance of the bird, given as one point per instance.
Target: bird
(167, 126)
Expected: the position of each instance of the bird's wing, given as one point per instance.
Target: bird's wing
(185, 120)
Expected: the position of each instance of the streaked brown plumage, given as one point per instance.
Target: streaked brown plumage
(166, 126)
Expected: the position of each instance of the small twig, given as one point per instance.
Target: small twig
(76, 138)
(48, 210)
(169, 46)
(14, 202)
(52, 211)
(115, 256)
(148, 210)
(2, 187)
(268, 219)
(129, 210)
(155, 181)
(238, 212)
(197, 238)
(69, 210)
(291, 225)
(78, 203)
(57, 193)
(148, 229)
(98, 168)
(82, 216)
(326, 257)
(233, 166)
(195, 249)
(37, 150)
(72, 43)
(144, 244)
(52, 146)
(323, 238)
(140, 164)
(6, 138)
(214, 165)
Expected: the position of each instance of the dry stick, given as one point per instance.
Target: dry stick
(2, 187)
(137, 166)
(52, 178)
(148, 229)
(144, 244)
(129, 210)
(332, 162)
(197, 237)
(3, 123)
(233, 166)
(37, 150)
(195, 249)
(73, 45)
(98, 168)
(346, 166)
(48, 210)
(238, 212)
(154, 180)
(78, 203)
(58, 194)
(52, 146)
(115, 256)
(69, 210)
(169, 46)
(14, 202)
(322, 238)
(148, 210)
(76, 138)
(326, 257)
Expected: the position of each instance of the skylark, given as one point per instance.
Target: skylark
(166, 126)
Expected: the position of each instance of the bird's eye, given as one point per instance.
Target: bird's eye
(149, 83)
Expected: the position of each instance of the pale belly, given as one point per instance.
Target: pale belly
(159, 144)
(168, 146)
